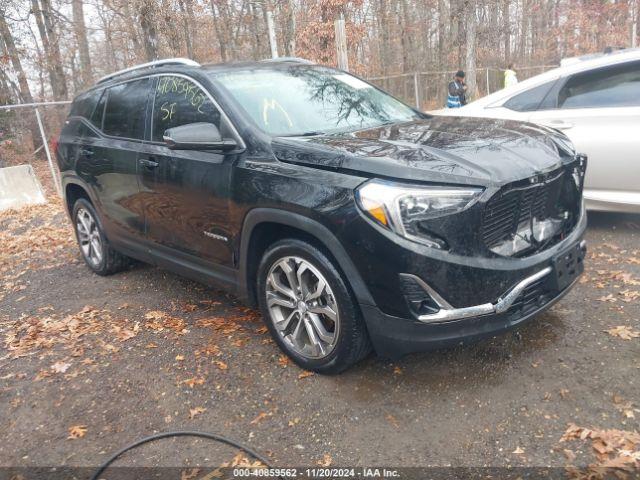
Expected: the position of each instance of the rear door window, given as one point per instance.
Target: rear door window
(126, 107)
(529, 100)
(617, 86)
(178, 101)
(85, 104)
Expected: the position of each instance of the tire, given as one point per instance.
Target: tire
(323, 329)
(95, 249)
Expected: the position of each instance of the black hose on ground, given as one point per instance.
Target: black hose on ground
(159, 436)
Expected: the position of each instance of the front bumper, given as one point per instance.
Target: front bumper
(395, 336)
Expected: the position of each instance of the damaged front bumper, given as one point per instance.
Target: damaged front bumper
(394, 336)
(447, 313)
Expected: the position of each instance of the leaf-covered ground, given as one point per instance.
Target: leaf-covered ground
(89, 364)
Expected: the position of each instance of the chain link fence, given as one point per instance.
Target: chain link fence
(26, 135)
(428, 90)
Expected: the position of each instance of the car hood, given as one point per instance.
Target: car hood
(439, 149)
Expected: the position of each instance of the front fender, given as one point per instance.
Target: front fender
(321, 233)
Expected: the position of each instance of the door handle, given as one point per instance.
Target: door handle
(148, 163)
(87, 152)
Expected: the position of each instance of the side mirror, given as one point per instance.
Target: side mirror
(197, 136)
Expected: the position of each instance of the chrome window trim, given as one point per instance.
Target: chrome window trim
(241, 144)
(155, 63)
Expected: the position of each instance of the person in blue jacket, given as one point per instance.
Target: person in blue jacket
(456, 97)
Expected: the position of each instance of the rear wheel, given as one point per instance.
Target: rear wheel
(94, 247)
(308, 308)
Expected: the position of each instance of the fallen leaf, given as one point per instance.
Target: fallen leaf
(77, 431)
(123, 334)
(392, 420)
(283, 360)
(60, 367)
(193, 412)
(261, 416)
(397, 370)
(569, 454)
(179, 358)
(608, 298)
(325, 461)
(518, 451)
(192, 382)
(623, 332)
(220, 364)
(305, 374)
(190, 474)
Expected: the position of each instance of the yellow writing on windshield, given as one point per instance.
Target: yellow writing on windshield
(270, 106)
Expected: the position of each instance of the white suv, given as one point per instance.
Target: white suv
(595, 100)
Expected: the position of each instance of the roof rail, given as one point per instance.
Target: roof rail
(608, 51)
(288, 59)
(155, 63)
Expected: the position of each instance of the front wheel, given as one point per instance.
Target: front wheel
(94, 246)
(308, 308)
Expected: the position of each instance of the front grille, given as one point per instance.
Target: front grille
(510, 212)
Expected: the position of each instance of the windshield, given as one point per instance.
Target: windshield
(305, 100)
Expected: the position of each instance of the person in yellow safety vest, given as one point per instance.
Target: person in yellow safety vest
(510, 77)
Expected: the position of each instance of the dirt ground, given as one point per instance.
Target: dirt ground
(89, 364)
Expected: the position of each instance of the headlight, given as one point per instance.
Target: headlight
(401, 208)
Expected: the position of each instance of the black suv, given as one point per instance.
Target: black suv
(351, 219)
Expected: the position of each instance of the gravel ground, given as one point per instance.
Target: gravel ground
(110, 360)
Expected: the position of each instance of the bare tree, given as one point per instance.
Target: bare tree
(43, 13)
(81, 38)
(470, 58)
(9, 48)
(186, 9)
(148, 24)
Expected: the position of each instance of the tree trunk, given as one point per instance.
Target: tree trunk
(60, 90)
(83, 45)
(185, 26)
(51, 49)
(150, 35)
(167, 26)
(383, 25)
(23, 84)
(506, 27)
(216, 26)
(470, 62)
(441, 36)
(290, 33)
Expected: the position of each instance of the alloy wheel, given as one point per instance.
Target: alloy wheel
(302, 306)
(89, 237)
